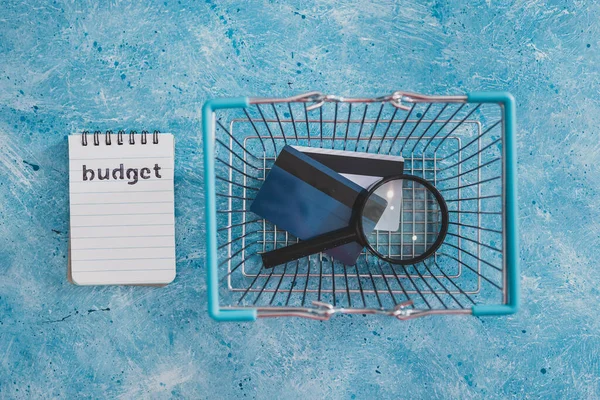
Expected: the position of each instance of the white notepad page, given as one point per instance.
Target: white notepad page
(122, 230)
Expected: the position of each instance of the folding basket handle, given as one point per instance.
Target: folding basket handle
(511, 262)
(208, 128)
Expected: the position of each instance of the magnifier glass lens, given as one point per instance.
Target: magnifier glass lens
(401, 220)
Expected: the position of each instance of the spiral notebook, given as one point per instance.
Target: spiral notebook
(122, 208)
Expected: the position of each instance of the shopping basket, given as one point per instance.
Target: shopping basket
(464, 145)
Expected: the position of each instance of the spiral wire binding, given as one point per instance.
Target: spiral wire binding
(455, 145)
(108, 137)
(132, 137)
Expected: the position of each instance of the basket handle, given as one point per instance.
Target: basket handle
(512, 296)
(212, 280)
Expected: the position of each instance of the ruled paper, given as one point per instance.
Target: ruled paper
(122, 230)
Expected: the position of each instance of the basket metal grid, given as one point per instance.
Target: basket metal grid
(464, 145)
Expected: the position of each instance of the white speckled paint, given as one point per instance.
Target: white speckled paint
(65, 66)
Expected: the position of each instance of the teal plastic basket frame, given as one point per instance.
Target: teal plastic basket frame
(464, 145)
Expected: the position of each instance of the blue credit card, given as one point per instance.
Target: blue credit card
(307, 199)
(365, 169)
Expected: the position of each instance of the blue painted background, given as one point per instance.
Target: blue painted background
(69, 65)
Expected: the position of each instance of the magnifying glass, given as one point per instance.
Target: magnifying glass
(414, 225)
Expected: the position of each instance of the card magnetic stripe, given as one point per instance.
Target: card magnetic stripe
(359, 165)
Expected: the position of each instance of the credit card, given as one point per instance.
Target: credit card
(365, 169)
(306, 198)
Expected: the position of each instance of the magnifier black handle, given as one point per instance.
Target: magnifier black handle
(305, 248)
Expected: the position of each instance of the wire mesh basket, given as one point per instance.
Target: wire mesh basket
(463, 145)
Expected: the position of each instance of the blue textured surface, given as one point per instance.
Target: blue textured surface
(68, 66)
